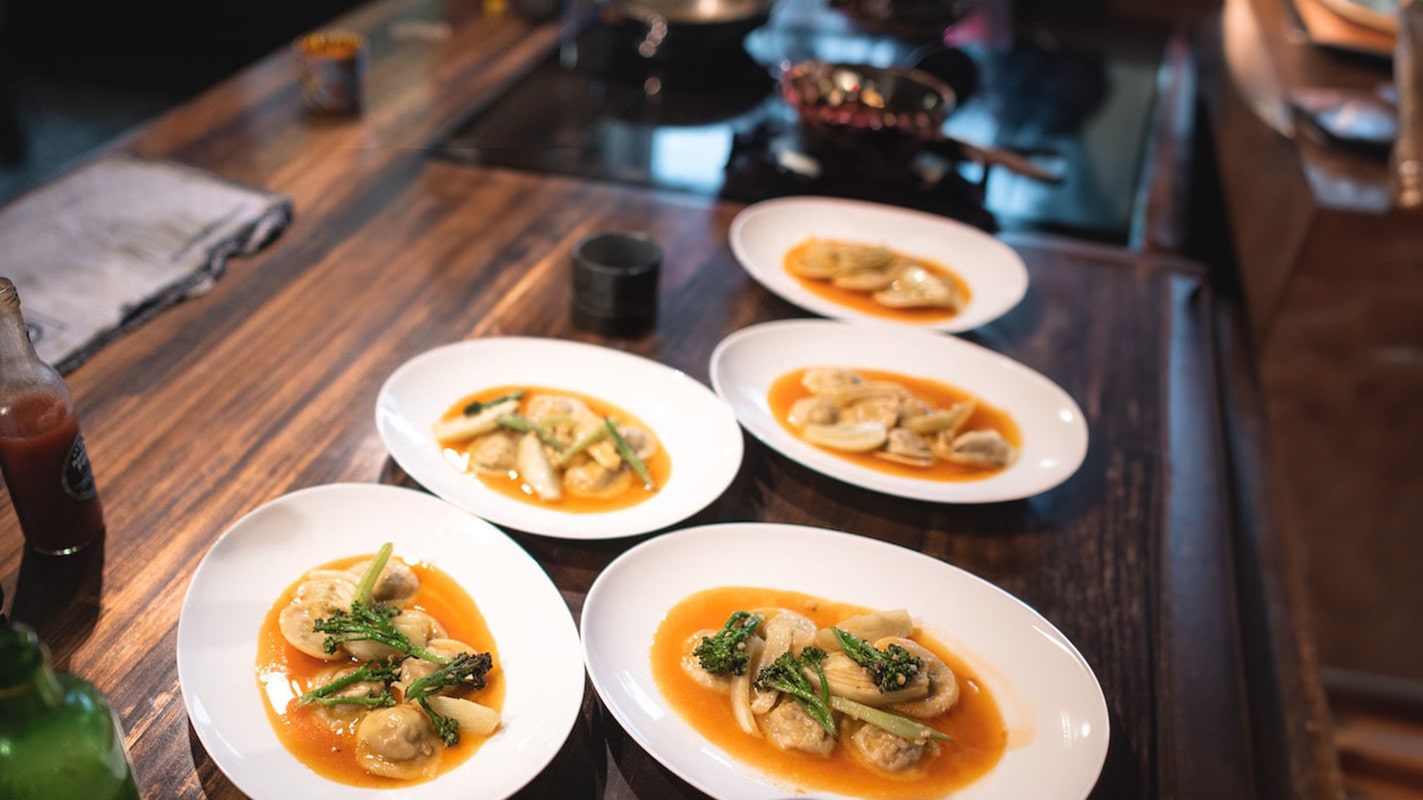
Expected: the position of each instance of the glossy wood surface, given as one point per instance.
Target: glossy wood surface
(267, 384)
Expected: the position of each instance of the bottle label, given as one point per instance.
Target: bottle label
(78, 479)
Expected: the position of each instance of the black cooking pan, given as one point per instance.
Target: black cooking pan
(895, 111)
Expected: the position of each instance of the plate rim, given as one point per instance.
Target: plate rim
(1018, 283)
(593, 600)
(930, 491)
(223, 754)
(541, 521)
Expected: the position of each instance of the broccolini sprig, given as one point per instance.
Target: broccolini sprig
(891, 668)
(367, 621)
(725, 652)
(465, 669)
(787, 675)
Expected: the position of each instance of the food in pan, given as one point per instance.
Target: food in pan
(877, 280)
(825, 695)
(377, 672)
(896, 423)
(553, 447)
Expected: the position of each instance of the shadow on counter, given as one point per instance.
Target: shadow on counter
(59, 597)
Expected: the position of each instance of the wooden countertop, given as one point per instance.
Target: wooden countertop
(266, 385)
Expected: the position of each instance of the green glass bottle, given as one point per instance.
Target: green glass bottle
(58, 738)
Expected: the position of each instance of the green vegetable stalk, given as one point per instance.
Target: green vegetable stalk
(584, 442)
(372, 573)
(479, 405)
(903, 727)
(521, 424)
(385, 672)
(628, 455)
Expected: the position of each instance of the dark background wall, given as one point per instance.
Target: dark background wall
(163, 45)
(76, 73)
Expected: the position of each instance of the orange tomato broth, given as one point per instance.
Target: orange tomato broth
(284, 673)
(975, 722)
(787, 389)
(864, 302)
(659, 466)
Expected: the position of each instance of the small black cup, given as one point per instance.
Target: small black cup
(615, 283)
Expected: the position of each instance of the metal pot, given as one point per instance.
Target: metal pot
(897, 112)
(688, 29)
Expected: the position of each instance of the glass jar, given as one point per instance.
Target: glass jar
(58, 738)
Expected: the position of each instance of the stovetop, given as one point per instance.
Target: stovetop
(716, 126)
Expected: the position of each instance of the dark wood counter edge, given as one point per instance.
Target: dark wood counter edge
(1267, 669)
(1198, 500)
(1159, 226)
(1186, 561)
(1293, 708)
(1189, 703)
(1270, 574)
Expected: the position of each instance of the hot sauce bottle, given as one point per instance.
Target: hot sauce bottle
(42, 456)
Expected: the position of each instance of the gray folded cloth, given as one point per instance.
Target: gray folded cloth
(105, 248)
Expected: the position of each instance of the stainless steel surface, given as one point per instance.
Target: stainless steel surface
(696, 12)
(690, 30)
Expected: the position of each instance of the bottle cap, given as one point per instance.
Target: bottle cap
(21, 653)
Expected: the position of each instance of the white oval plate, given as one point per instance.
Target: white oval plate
(697, 429)
(267, 550)
(744, 365)
(762, 234)
(1050, 699)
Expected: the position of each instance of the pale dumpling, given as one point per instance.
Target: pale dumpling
(397, 582)
(413, 669)
(592, 479)
(790, 728)
(883, 750)
(316, 599)
(398, 742)
(343, 716)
